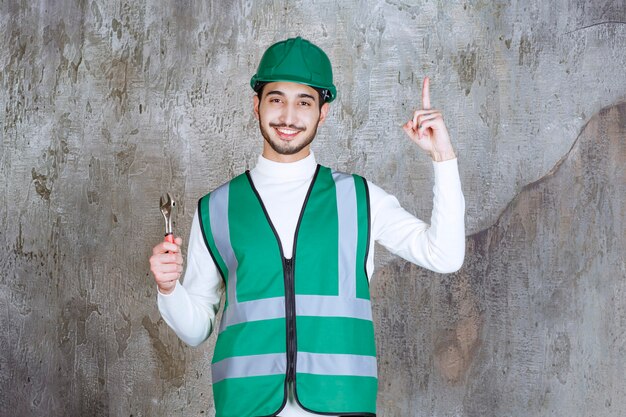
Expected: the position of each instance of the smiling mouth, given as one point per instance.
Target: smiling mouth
(287, 132)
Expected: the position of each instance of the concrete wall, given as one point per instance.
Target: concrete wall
(107, 104)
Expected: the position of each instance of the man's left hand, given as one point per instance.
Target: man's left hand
(428, 130)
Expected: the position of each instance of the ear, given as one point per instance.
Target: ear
(256, 102)
(323, 112)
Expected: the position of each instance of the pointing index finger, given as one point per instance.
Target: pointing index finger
(426, 94)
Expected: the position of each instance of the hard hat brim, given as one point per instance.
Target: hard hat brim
(256, 82)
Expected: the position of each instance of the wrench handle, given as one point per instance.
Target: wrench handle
(169, 237)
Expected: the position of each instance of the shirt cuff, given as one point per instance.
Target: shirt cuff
(171, 294)
(446, 171)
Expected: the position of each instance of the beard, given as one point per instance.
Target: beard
(291, 147)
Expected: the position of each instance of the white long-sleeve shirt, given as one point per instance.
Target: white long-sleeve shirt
(191, 308)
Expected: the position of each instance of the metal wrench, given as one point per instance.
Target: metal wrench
(167, 203)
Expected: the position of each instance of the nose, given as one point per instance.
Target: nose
(289, 115)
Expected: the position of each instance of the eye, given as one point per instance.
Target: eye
(305, 103)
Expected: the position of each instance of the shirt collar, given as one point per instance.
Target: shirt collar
(299, 170)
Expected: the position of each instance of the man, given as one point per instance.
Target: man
(292, 242)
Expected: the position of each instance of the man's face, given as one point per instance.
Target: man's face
(288, 115)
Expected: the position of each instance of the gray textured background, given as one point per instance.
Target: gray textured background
(107, 104)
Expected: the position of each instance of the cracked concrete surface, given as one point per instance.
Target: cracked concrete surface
(105, 105)
(534, 323)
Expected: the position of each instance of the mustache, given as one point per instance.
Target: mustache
(284, 125)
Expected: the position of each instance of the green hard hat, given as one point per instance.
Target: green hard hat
(296, 60)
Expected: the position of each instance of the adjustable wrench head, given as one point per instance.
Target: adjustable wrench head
(167, 205)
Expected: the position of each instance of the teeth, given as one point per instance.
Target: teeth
(287, 131)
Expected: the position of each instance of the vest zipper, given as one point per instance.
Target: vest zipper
(290, 307)
(290, 290)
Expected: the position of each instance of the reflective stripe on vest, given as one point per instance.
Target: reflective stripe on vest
(335, 346)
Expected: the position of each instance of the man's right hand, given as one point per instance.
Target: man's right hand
(166, 264)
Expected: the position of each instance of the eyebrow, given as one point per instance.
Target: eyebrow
(280, 93)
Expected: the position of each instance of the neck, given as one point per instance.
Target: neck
(294, 171)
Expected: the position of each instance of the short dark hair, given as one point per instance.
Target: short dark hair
(321, 92)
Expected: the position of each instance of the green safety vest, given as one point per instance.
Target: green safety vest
(305, 318)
